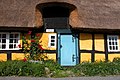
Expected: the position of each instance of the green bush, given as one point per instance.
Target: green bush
(50, 68)
(97, 69)
(20, 68)
(53, 65)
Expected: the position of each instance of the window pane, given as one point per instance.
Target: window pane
(16, 35)
(110, 47)
(109, 43)
(52, 40)
(3, 40)
(0, 41)
(52, 37)
(113, 43)
(3, 35)
(52, 44)
(14, 45)
(15, 40)
(11, 35)
(11, 46)
(116, 47)
(113, 47)
(116, 43)
(109, 38)
(11, 41)
(0, 35)
(112, 38)
(115, 38)
(3, 46)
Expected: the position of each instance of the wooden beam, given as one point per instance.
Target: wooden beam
(106, 47)
(93, 48)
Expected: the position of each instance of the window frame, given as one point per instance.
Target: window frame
(49, 42)
(8, 40)
(111, 41)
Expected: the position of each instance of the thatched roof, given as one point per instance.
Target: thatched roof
(97, 14)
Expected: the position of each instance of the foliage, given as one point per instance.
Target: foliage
(33, 46)
(53, 65)
(97, 69)
(50, 68)
(20, 68)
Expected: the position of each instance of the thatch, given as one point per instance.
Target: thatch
(97, 14)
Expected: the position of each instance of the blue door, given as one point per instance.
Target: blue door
(68, 50)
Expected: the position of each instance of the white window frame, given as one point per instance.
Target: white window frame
(8, 39)
(49, 42)
(112, 41)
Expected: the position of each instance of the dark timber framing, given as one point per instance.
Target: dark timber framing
(79, 53)
(93, 48)
(9, 55)
(106, 47)
(92, 52)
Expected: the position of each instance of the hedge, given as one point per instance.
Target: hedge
(52, 69)
(20, 68)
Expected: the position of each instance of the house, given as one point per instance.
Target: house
(72, 31)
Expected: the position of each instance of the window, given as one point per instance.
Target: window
(113, 44)
(9, 41)
(52, 40)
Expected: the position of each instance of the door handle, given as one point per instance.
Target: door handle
(73, 57)
(60, 46)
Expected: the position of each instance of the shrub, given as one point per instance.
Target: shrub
(97, 69)
(53, 65)
(33, 46)
(21, 68)
(54, 69)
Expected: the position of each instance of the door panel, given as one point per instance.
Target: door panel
(68, 55)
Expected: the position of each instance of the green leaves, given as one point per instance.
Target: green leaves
(27, 68)
(97, 69)
(32, 46)
(20, 68)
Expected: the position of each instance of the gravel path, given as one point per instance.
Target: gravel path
(69, 78)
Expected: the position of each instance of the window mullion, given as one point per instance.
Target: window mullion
(7, 41)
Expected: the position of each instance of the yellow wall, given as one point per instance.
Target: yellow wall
(112, 56)
(18, 56)
(99, 42)
(99, 57)
(85, 57)
(85, 41)
(45, 38)
(51, 56)
(3, 57)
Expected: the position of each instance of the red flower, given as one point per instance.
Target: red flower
(19, 45)
(25, 59)
(40, 47)
(29, 32)
(32, 40)
(38, 35)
